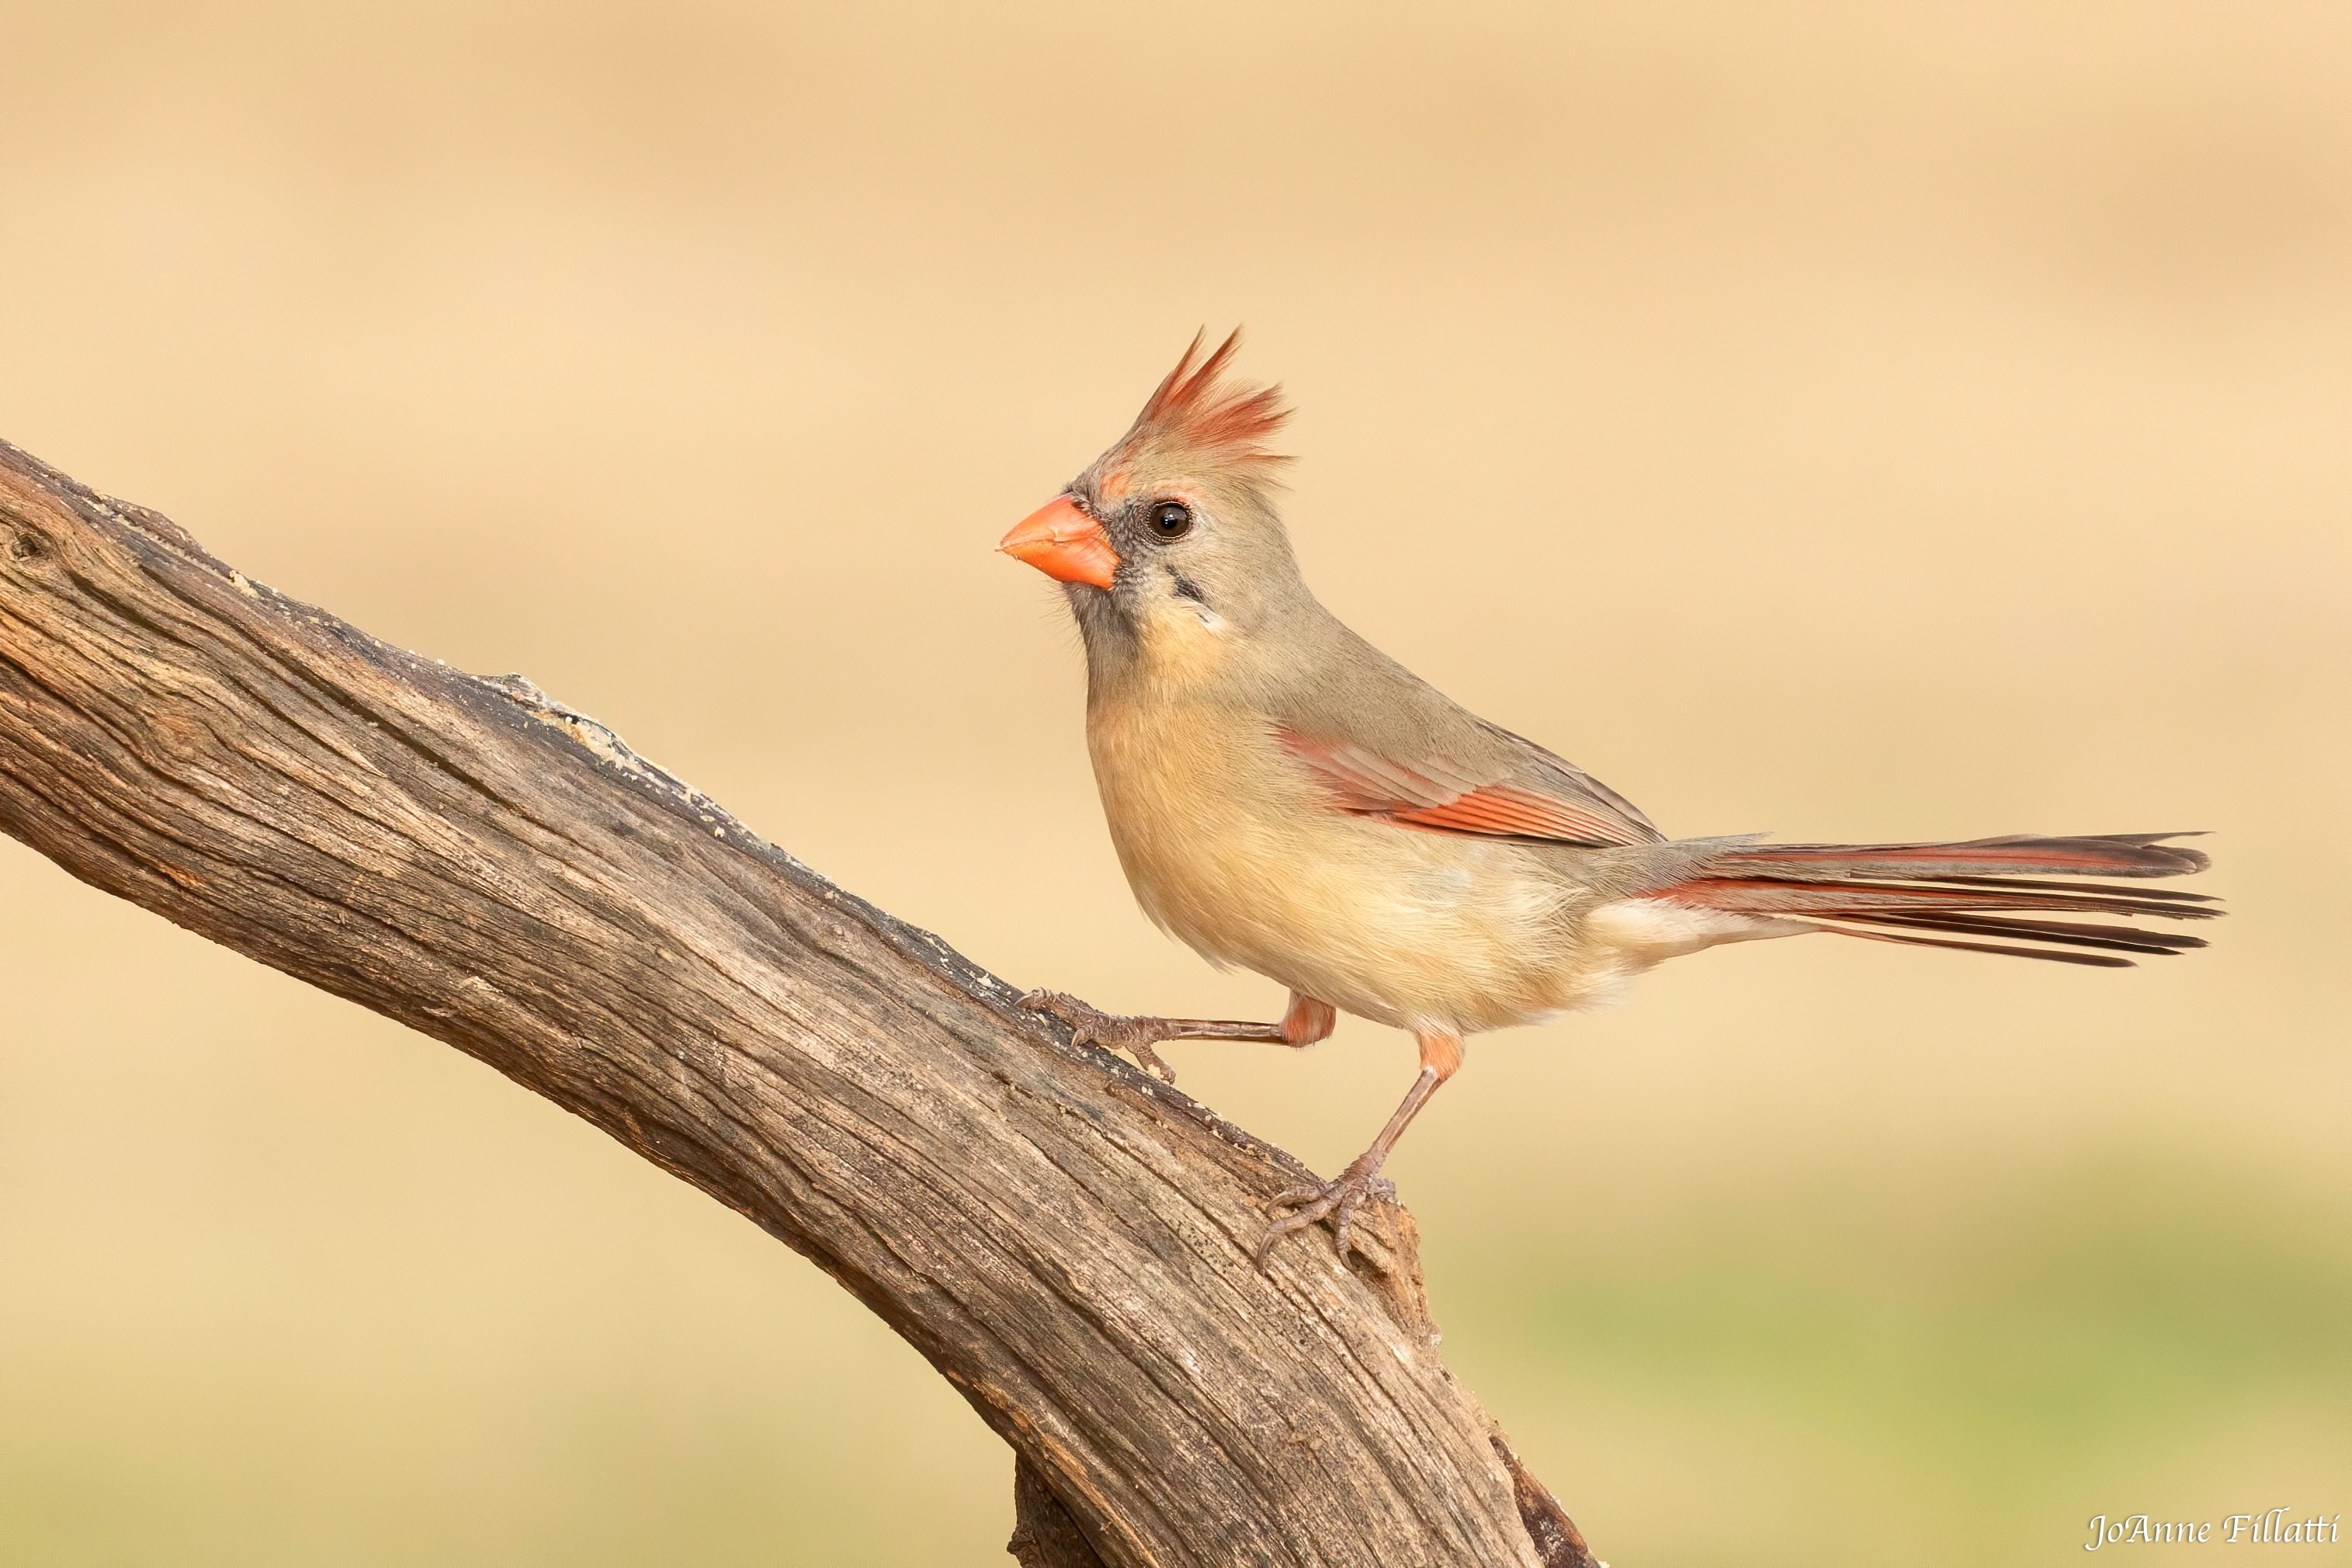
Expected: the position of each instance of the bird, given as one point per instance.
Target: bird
(1284, 798)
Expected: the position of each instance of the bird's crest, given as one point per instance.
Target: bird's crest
(1194, 413)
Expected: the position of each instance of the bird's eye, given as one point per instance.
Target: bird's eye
(1171, 519)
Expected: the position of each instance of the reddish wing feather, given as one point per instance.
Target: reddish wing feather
(1512, 813)
(1431, 795)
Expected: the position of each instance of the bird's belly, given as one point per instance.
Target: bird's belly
(1411, 929)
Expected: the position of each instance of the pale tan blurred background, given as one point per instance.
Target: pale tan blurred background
(1861, 422)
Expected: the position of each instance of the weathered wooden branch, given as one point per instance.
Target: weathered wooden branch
(1067, 1240)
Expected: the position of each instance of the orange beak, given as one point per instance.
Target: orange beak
(1063, 543)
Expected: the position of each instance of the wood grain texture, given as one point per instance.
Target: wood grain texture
(1067, 1240)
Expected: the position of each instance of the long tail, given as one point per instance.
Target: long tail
(1931, 894)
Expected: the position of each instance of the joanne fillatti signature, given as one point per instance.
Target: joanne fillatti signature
(2273, 1529)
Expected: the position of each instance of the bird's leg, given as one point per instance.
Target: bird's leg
(1304, 1023)
(1441, 1056)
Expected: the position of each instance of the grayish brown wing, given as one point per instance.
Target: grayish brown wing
(1386, 743)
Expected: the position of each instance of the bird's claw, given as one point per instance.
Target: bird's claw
(1092, 1026)
(1337, 1199)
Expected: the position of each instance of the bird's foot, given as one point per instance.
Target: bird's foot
(1112, 1031)
(1337, 1199)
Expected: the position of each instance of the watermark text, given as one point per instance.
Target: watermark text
(2278, 1527)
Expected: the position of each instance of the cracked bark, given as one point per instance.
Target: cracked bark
(1065, 1239)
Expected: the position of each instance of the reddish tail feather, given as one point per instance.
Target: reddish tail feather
(1954, 891)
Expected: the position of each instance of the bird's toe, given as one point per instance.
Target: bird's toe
(1090, 1026)
(1339, 1199)
(1054, 1005)
(1315, 1193)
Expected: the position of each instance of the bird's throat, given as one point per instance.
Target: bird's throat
(1181, 646)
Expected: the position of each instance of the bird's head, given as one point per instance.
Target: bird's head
(1172, 536)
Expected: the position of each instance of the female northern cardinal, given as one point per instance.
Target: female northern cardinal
(1285, 797)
